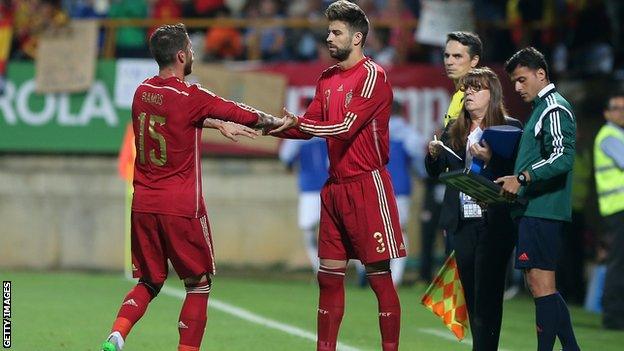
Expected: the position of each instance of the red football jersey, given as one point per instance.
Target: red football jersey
(167, 118)
(351, 109)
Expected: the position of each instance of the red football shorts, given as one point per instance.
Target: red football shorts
(186, 242)
(359, 219)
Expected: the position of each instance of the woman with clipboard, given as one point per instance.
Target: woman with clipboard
(482, 238)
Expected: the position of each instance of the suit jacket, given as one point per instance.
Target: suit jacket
(497, 215)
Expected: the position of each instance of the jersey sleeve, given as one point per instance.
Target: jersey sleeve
(203, 104)
(559, 130)
(313, 112)
(370, 96)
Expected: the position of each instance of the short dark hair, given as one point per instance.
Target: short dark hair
(528, 57)
(469, 39)
(351, 14)
(613, 95)
(166, 41)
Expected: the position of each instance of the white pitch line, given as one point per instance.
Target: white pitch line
(447, 336)
(254, 318)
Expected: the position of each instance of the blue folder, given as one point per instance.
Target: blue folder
(503, 141)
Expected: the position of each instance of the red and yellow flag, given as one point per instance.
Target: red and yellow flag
(6, 35)
(445, 298)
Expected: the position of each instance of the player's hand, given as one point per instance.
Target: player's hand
(510, 186)
(231, 130)
(482, 152)
(289, 121)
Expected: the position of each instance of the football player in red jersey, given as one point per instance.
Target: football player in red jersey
(169, 219)
(359, 217)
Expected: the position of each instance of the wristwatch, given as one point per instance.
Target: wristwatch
(522, 179)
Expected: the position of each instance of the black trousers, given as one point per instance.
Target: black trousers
(482, 251)
(613, 296)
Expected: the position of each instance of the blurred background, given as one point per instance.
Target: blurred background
(68, 70)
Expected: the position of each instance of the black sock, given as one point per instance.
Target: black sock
(564, 327)
(546, 313)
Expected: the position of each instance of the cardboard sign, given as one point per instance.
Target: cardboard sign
(66, 58)
(441, 17)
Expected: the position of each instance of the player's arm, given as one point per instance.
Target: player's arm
(559, 131)
(230, 130)
(205, 104)
(369, 98)
(290, 130)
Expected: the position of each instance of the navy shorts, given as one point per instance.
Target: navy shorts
(539, 242)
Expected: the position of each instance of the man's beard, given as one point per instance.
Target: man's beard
(188, 68)
(340, 54)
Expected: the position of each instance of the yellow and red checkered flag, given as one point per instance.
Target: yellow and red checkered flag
(445, 298)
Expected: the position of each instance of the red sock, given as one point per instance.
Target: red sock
(193, 316)
(389, 309)
(331, 306)
(132, 309)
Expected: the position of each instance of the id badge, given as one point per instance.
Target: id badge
(469, 208)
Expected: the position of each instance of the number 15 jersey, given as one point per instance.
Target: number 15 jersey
(167, 118)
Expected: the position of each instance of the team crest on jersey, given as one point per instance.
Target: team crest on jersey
(348, 98)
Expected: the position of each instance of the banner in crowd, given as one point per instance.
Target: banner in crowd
(95, 121)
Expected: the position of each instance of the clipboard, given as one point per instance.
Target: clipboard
(477, 186)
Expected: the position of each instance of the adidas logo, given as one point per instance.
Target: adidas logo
(402, 247)
(385, 314)
(321, 311)
(130, 302)
(181, 325)
(523, 257)
(341, 87)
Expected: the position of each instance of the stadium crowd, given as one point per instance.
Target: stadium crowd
(578, 36)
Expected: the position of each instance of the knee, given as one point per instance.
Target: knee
(198, 285)
(378, 267)
(539, 287)
(152, 288)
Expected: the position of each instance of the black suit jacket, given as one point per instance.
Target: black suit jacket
(497, 215)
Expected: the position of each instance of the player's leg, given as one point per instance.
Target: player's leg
(375, 231)
(190, 249)
(150, 265)
(309, 217)
(333, 263)
(388, 304)
(193, 315)
(537, 253)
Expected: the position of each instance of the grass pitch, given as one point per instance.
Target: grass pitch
(74, 311)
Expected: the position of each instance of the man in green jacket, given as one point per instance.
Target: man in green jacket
(542, 175)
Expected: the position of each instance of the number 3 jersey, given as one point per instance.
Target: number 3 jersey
(167, 118)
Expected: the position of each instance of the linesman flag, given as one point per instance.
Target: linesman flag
(445, 298)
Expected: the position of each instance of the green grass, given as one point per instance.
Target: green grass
(74, 311)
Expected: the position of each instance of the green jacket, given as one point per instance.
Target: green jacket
(546, 152)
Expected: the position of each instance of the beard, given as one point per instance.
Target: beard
(188, 67)
(340, 54)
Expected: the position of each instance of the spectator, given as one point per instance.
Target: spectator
(223, 43)
(269, 40)
(130, 40)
